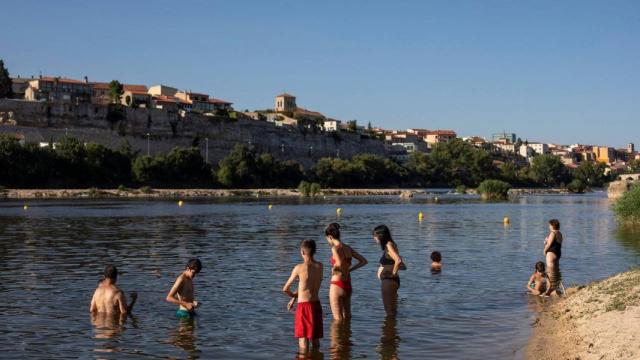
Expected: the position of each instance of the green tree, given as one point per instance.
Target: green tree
(115, 91)
(5, 81)
(238, 169)
(548, 170)
(590, 173)
(634, 166)
(494, 190)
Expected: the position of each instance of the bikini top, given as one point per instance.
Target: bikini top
(347, 259)
(384, 260)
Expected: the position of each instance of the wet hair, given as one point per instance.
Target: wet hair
(555, 224)
(540, 267)
(110, 272)
(436, 256)
(333, 230)
(382, 233)
(308, 245)
(195, 265)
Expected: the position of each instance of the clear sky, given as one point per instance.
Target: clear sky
(556, 71)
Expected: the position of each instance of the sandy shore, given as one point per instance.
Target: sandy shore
(597, 321)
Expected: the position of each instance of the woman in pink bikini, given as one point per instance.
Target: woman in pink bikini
(340, 288)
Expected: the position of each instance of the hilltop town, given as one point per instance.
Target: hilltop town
(286, 113)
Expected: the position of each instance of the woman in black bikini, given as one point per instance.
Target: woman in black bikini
(390, 264)
(553, 251)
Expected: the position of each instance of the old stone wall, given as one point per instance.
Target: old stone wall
(43, 122)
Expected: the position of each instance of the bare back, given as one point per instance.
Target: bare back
(310, 278)
(108, 299)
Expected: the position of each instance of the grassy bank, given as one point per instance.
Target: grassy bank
(597, 321)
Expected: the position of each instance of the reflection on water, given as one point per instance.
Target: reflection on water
(183, 337)
(51, 256)
(107, 329)
(389, 339)
(341, 340)
(629, 237)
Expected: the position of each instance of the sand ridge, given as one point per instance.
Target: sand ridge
(597, 321)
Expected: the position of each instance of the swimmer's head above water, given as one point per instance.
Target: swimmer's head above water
(540, 267)
(111, 273)
(194, 266)
(436, 256)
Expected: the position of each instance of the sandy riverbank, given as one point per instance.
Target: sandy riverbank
(597, 321)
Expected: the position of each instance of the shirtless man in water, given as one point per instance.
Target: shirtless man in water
(308, 323)
(108, 298)
(182, 291)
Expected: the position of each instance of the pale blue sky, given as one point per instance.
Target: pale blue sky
(557, 71)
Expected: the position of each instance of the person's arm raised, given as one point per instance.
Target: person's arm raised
(398, 263)
(361, 260)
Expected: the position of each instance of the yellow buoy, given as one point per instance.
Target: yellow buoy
(180, 203)
(420, 216)
(436, 199)
(270, 206)
(338, 211)
(25, 207)
(506, 220)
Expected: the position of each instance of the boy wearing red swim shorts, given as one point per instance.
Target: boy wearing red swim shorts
(308, 324)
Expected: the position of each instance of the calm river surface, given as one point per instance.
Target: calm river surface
(52, 254)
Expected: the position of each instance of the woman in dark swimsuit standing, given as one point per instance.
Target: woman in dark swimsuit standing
(390, 264)
(340, 288)
(553, 251)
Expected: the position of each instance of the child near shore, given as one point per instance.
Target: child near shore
(539, 281)
(436, 258)
(182, 291)
(308, 323)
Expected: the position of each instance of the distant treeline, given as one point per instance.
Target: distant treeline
(71, 163)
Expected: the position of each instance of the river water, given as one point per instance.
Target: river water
(52, 254)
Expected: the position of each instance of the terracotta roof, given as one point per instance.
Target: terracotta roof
(134, 88)
(308, 112)
(61, 80)
(219, 101)
(442, 132)
(100, 85)
(285, 95)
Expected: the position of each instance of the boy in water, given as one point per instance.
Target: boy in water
(308, 324)
(182, 291)
(108, 298)
(436, 258)
(538, 282)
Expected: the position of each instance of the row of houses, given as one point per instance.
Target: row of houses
(571, 155)
(65, 90)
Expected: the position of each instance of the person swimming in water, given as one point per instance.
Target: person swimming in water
(340, 289)
(390, 264)
(308, 321)
(182, 292)
(436, 258)
(108, 298)
(539, 281)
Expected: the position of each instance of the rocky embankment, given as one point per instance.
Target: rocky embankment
(597, 321)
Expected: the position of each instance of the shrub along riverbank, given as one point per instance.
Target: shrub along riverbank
(72, 164)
